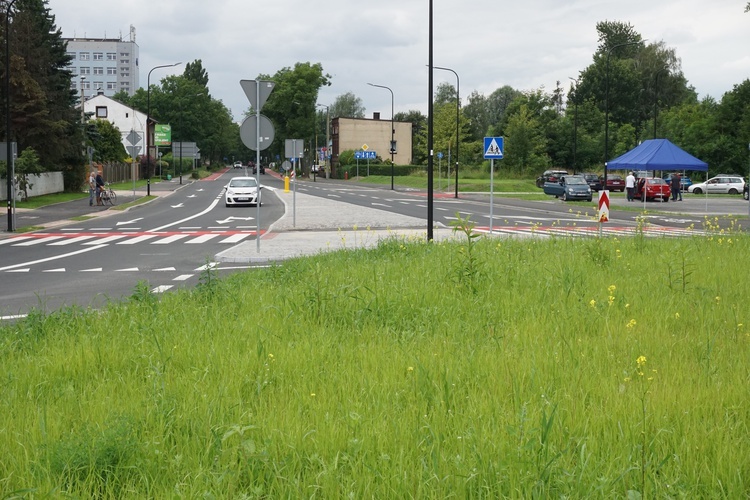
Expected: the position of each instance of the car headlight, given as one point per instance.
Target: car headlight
(230, 192)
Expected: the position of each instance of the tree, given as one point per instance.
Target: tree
(26, 164)
(347, 106)
(194, 71)
(291, 105)
(43, 113)
(445, 94)
(418, 134)
(107, 142)
(525, 148)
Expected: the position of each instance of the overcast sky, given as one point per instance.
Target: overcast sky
(526, 44)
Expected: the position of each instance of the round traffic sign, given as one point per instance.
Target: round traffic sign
(286, 165)
(249, 134)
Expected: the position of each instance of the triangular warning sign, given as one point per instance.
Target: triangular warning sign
(493, 149)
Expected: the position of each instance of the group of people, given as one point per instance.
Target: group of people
(675, 186)
(96, 186)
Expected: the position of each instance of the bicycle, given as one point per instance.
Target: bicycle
(108, 195)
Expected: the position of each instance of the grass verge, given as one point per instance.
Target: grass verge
(560, 367)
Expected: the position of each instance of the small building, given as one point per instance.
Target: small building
(356, 133)
(124, 118)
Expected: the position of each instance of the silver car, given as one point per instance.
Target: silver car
(724, 184)
(243, 191)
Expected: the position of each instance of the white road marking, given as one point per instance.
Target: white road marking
(58, 270)
(183, 277)
(169, 239)
(37, 241)
(201, 239)
(137, 239)
(235, 238)
(127, 270)
(161, 288)
(70, 241)
(49, 259)
(165, 269)
(108, 239)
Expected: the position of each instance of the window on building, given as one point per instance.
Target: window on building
(98, 85)
(124, 61)
(86, 85)
(111, 86)
(85, 70)
(111, 56)
(101, 111)
(72, 56)
(98, 56)
(111, 71)
(84, 56)
(124, 74)
(98, 71)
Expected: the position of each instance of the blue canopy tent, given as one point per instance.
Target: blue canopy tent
(657, 154)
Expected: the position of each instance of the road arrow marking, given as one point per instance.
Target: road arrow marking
(230, 219)
(129, 221)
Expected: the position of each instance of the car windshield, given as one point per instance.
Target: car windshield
(615, 178)
(656, 181)
(575, 180)
(243, 183)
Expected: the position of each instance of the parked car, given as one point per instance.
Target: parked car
(243, 190)
(725, 184)
(656, 188)
(593, 181)
(237, 164)
(569, 187)
(614, 182)
(550, 176)
(685, 182)
(262, 169)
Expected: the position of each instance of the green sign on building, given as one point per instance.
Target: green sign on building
(162, 135)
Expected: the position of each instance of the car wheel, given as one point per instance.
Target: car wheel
(564, 197)
(697, 191)
(665, 200)
(746, 195)
(589, 200)
(733, 191)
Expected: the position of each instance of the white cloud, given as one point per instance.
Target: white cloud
(526, 44)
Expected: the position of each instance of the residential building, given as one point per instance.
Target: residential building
(109, 65)
(125, 119)
(375, 134)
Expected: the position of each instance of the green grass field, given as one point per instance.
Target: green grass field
(489, 368)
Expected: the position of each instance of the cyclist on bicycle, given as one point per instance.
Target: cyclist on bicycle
(99, 188)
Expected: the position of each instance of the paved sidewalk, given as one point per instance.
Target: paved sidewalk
(323, 225)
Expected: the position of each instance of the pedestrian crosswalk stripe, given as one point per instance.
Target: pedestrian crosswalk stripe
(170, 239)
(70, 241)
(203, 238)
(137, 239)
(37, 241)
(108, 239)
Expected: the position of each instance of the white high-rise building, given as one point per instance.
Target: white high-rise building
(106, 65)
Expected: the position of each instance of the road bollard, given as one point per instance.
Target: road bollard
(286, 183)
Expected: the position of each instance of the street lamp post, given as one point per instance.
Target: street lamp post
(458, 112)
(8, 145)
(328, 145)
(656, 96)
(575, 121)
(606, 108)
(148, 132)
(392, 129)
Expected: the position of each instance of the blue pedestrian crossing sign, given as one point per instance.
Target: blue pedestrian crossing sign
(493, 148)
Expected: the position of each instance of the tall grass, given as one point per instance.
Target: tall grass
(486, 368)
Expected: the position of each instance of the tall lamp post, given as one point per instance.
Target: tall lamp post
(575, 121)
(458, 112)
(8, 150)
(606, 107)
(328, 132)
(148, 131)
(656, 96)
(392, 129)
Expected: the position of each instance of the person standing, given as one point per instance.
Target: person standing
(676, 181)
(99, 187)
(630, 186)
(92, 188)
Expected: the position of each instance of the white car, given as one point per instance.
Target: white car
(237, 164)
(724, 184)
(243, 191)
